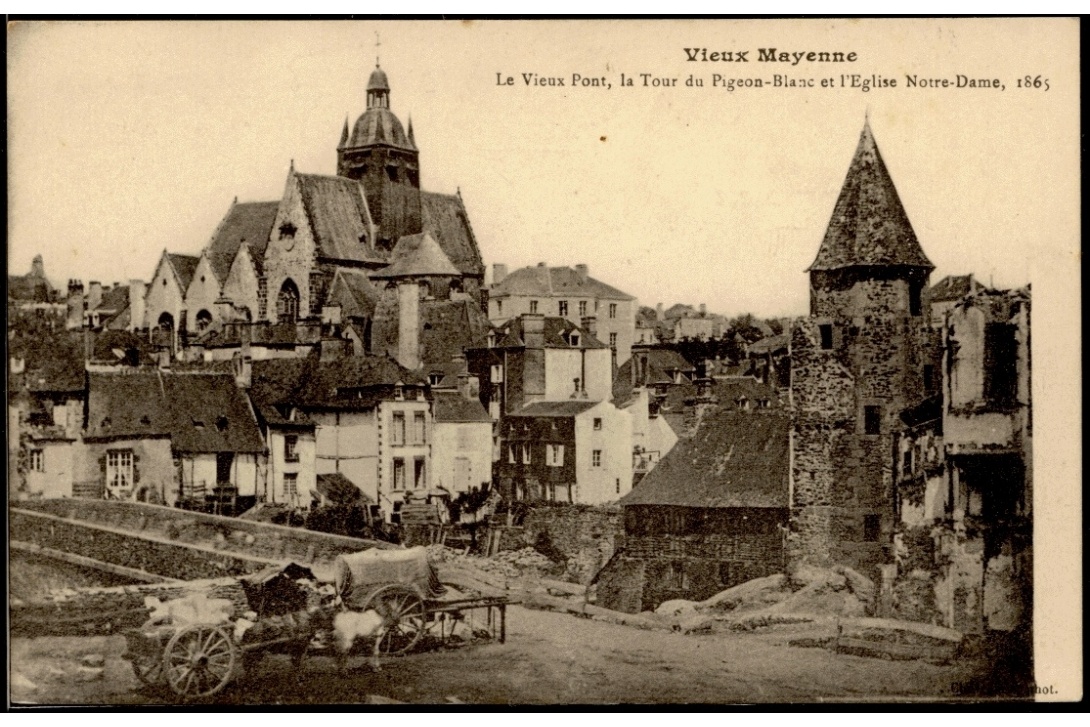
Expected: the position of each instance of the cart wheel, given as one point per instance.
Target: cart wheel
(199, 661)
(403, 609)
(148, 670)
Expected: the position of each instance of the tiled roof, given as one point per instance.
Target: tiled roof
(352, 382)
(449, 327)
(732, 460)
(445, 219)
(339, 489)
(555, 282)
(555, 408)
(115, 299)
(417, 254)
(557, 334)
(953, 287)
(337, 212)
(184, 266)
(869, 225)
(274, 384)
(246, 223)
(354, 292)
(200, 412)
(661, 363)
(451, 406)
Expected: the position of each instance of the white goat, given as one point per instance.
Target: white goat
(351, 625)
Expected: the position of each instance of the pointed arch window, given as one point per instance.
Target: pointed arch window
(204, 320)
(287, 302)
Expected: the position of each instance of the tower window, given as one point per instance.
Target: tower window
(872, 419)
(915, 303)
(872, 528)
(391, 172)
(826, 332)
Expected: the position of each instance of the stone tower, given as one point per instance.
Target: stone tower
(379, 153)
(857, 361)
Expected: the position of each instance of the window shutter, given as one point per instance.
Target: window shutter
(135, 470)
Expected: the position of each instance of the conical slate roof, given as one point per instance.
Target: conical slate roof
(869, 225)
(418, 254)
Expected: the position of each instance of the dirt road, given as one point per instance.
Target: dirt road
(549, 658)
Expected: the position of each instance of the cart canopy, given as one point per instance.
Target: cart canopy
(360, 574)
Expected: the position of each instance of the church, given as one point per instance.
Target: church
(341, 255)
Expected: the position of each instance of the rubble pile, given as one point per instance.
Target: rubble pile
(507, 564)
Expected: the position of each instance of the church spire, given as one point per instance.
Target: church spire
(344, 134)
(869, 226)
(412, 138)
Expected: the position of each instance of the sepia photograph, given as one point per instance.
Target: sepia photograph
(543, 362)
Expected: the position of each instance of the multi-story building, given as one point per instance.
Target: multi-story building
(568, 293)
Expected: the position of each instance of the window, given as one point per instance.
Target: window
(582, 308)
(563, 308)
(399, 392)
(204, 320)
(533, 306)
(613, 340)
(287, 303)
(612, 310)
(826, 331)
(399, 473)
(906, 462)
(526, 454)
(928, 377)
(434, 379)
(291, 485)
(262, 296)
(499, 307)
(224, 460)
(397, 436)
(419, 428)
(872, 528)
(555, 455)
(420, 481)
(287, 230)
(915, 304)
(597, 423)
(872, 420)
(596, 458)
(510, 454)
(119, 469)
(291, 448)
(1000, 363)
(497, 373)
(37, 460)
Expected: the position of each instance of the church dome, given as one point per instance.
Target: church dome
(379, 126)
(378, 80)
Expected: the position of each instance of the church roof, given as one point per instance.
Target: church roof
(869, 225)
(417, 254)
(246, 223)
(379, 125)
(337, 211)
(184, 266)
(448, 328)
(354, 292)
(545, 281)
(378, 80)
(445, 219)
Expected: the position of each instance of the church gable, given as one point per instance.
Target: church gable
(165, 295)
(241, 286)
(201, 296)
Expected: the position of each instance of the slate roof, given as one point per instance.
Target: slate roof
(444, 218)
(732, 460)
(115, 299)
(557, 334)
(770, 344)
(354, 292)
(661, 363)
(378, 125)
(451, 406)
(953, 287)
(729, 389)
(246, 223)
(417, 254)
(869, 225)
(555, 408)
(339, 489)
(352, 382)
(274, 384)
(337, 212)
(200, 412)
(555, 282)
(448, 328)
(184, 266)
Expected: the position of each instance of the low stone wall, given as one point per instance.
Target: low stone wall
(585, 536)
(250, 539)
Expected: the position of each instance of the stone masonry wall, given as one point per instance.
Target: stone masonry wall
(586, 535)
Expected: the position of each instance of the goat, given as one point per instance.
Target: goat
(348, 626)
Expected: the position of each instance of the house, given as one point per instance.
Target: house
(711, 515)
(462, 441)
(646, 329)
(575, 451)
(372, 419)
(568, 293)
(769, 359)
(944, 294)
(32, 290)
(964, 472)
(540, 358)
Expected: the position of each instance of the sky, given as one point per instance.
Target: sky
(130, 138)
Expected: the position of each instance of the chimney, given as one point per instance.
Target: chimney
(408, 324)
(74, 317)
(541, 265)
(658, 312)
(499, 272)
(137, 290)
(244, 363)
(94, 295)
(533, 330)
(581, 272)
(703, 310)
(37, 268)
(590, 325)
(459, 360)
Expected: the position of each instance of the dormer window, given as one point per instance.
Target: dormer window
(491, 340)
(363, 238)
(287, 230)
(433, 379)
(221, 423)
(574, 339)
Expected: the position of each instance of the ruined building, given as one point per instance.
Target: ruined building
(858, 360)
